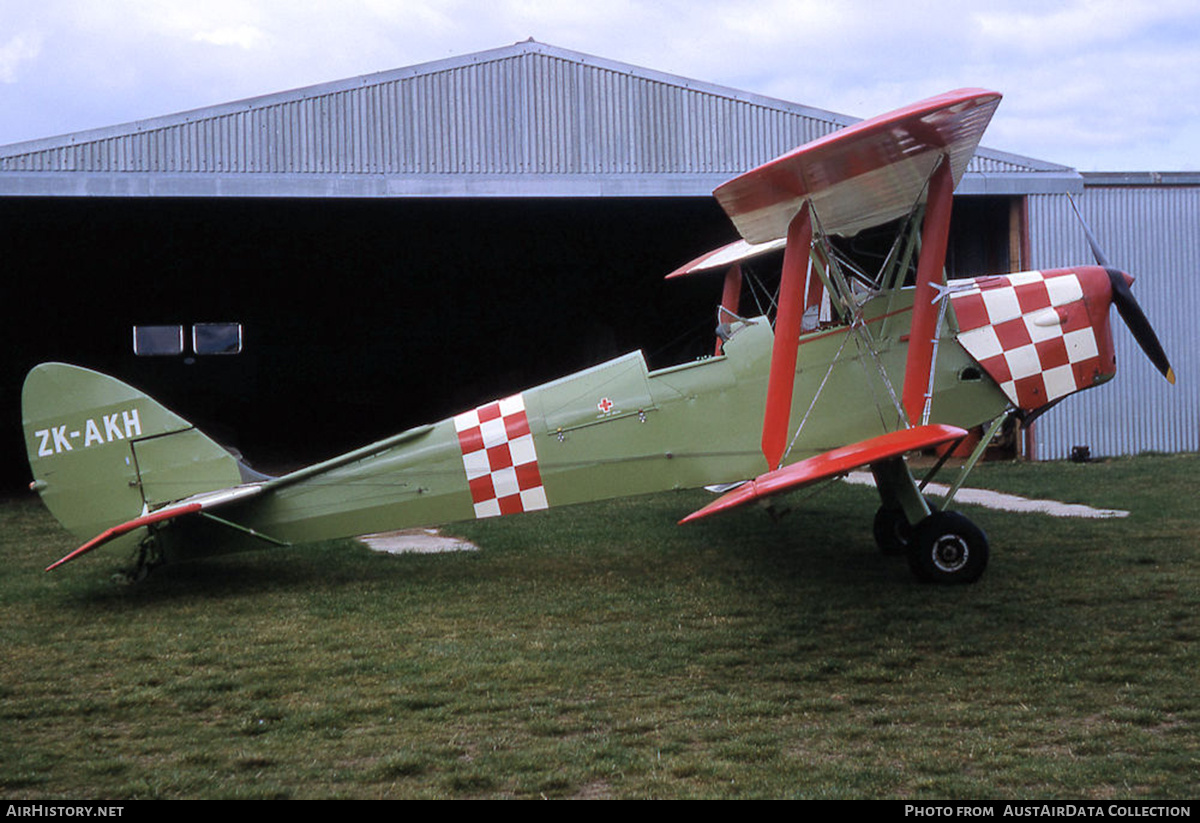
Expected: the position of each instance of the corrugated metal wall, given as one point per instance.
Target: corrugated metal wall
(1153, 232)
(529, 114)
(526, 109)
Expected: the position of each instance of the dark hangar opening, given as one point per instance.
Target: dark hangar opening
(359, 317)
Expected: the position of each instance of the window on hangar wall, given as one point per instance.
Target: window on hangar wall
(168, 341)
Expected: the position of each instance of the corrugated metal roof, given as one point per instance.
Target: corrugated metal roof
(527, 119)
(1153, 232)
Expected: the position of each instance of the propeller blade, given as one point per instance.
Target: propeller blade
(1127, 304)
(1097, 252)
(1139, 326)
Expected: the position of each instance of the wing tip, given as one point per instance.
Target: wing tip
(95, 542)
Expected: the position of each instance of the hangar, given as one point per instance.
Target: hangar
(305, 271)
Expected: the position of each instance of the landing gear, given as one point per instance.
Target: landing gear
(146, 558)
(947, 548)
(893, 534)
(941, 546)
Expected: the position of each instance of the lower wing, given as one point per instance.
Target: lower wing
(831, 464)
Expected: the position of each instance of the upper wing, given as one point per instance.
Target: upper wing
(728, 255)
(863, 175)
(831, 464)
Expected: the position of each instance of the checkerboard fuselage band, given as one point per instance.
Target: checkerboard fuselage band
(500, 459)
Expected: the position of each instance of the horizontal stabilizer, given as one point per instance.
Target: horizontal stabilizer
(191, 505)
(831, 464)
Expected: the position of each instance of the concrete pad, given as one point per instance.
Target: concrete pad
(421, 541)
(1006, 502)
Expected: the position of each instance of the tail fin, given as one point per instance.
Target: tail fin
(102, 453)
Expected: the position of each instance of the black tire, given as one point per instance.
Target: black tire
(892, 532)
(948, 548)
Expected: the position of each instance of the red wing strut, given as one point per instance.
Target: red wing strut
(935, 235)
(782, 380)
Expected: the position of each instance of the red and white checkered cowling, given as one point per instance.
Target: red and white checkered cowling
(1041, 335)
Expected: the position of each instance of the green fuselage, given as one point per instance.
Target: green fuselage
(617, 430)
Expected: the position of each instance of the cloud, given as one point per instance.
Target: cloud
(1081, 78)
(20, 48)
(245, 37)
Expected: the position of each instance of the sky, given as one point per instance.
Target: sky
(1099, 85)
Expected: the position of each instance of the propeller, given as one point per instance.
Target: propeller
(1127, 304)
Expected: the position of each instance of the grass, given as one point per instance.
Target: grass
(602, 651)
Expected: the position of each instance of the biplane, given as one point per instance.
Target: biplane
(852, 369)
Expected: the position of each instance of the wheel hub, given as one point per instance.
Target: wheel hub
(950, 553)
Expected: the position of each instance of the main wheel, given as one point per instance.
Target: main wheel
(892, 532)
(947, 547)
